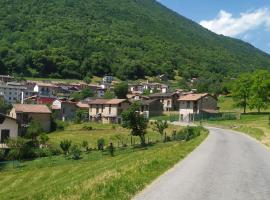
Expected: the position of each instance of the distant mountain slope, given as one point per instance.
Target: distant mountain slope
(128, 38)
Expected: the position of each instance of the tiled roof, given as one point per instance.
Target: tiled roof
(99, 101)
(82, 105)
(30, 108)
(193, 97)
(116, 101)
(107, 101)
(161, 95)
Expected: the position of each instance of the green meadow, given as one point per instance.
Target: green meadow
(96, 175)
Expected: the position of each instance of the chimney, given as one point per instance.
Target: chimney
(22, 98)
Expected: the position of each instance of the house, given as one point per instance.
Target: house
(6, 78)
(156, 87)
(25, 113)
(107, 111)
(135, 88)
(108, 79)
(163, 77)
(46, 89)
(64, 109)
(14, 92)
(169, 100)
(151, 107)
(39, 100)
(8, 129)
(193, 104)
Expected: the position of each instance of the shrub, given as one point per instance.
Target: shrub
(88, 127)
(113, 127)
(189, 133)
(111, 149)
(55, 150)
(43, 139)
(2, 155)
(65, 146)
(101, 144)
(75, 152)
(44, 152)
(85, 145)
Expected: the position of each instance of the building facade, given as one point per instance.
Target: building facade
(194, 104)
(25, 113)
(8, 129)
(14, 92)
(107, 111)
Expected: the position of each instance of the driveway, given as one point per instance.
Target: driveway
(227, 166)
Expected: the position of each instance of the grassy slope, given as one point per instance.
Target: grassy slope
(255, 125)
(111, 133)
(92, 177)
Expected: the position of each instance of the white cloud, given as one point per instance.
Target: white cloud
(228, 25)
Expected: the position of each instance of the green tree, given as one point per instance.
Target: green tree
(260, 90)
(160, 126)
(241, 90)
(33, 131)
(109, 95)
(121, 90)
(65, 146)
(137, 123)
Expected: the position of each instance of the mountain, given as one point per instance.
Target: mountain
(127, 38)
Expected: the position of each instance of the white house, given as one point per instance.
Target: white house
(8, 128)
(192, 104)
(46, 89)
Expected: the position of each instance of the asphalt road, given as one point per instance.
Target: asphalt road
(227, 166)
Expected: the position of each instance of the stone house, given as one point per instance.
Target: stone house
(107, 111)
(169, 100)
(64, 110)
(25, 113)
(150, 108)
(193, 104)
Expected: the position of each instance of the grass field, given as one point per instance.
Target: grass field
(77, 133)
(95, 176)
(255, 125)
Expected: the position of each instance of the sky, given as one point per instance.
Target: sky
(248, 20)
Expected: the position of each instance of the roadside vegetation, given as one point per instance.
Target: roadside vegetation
(252, 123)
(91, 165)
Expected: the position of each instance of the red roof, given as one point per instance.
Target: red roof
(193, 97)
(31, 108)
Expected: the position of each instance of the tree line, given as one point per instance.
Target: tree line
(252, 90)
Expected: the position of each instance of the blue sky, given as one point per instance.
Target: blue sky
(248, 20)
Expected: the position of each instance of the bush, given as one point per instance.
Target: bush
(101, 144)
(75, 152)
(111, 149)
(65, 146)
(58, 125)
(44, 152)
(2, 155)
(190, 133)
(85, 145)
(88, 127)
(55, 151)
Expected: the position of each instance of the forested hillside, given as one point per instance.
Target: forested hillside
(127, 38)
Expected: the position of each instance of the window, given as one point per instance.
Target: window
(188, 104)
(2, 119)
(5, 134)
(110, 109)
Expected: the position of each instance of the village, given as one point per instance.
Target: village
(43, 100)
